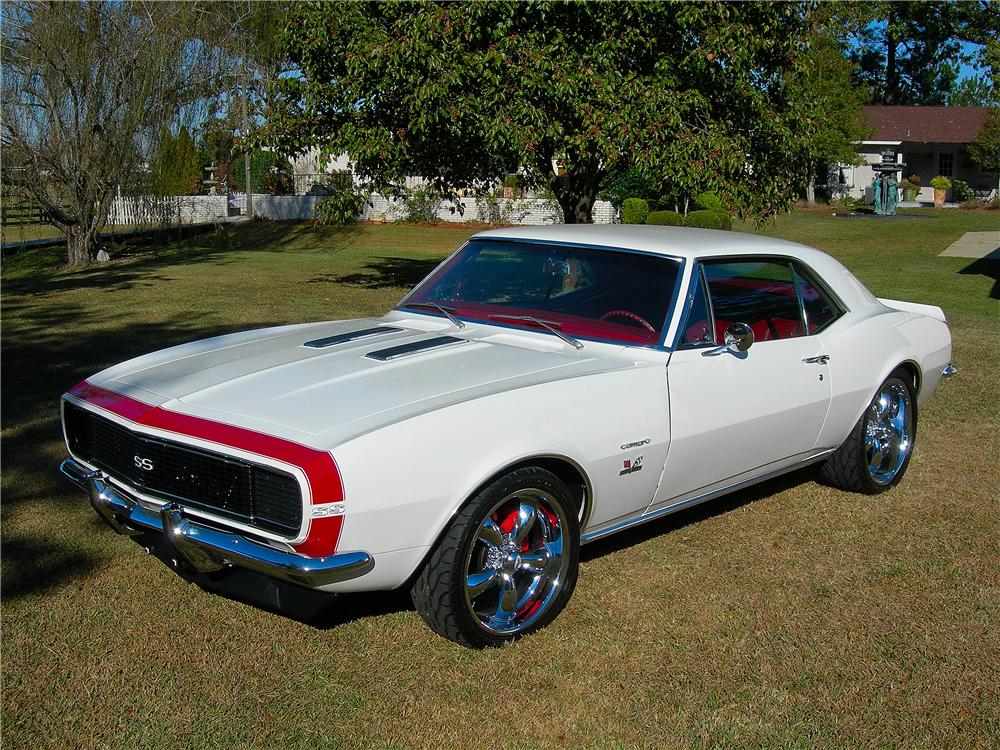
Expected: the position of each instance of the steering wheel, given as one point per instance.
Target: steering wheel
(631, 316)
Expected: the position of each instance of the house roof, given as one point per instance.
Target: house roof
(926, 124)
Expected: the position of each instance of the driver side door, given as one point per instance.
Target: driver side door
(738, 415)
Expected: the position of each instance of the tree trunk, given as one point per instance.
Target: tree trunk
(576, 191)
(811, 185)
(577, 203)
(78, 247)
(890, 62)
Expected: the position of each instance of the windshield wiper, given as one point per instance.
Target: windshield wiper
(543, 324)
(458, 323)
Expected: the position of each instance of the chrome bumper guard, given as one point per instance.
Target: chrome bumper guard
(206, 549)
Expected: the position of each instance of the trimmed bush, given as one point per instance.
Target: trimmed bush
(709, 201)
(708, 220)
(665, 218)
(634, 211)
(940, 183)
(961, 192)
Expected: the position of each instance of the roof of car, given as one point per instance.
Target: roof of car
(685, 243)
(676, 241)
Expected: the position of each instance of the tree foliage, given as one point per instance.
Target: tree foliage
(830, 107)
(269, 171)
(176, 169)
(569, 95)
(985, 149)
(910, 52)
(973, 91)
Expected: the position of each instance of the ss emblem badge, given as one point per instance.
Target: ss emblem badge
(145, 464)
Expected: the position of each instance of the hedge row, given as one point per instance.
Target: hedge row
(636, 211)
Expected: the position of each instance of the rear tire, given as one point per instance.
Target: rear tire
(877, 452)
(506, 566)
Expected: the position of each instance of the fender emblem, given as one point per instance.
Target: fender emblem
(328, 509)
(631, 466)
(146, 464)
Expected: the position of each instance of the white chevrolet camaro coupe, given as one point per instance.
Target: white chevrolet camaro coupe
(542, 388)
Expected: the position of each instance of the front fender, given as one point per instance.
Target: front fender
(403, 483)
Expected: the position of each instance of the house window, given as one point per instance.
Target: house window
(945, 164)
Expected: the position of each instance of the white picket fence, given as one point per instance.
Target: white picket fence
(166, 210)
(197, 209)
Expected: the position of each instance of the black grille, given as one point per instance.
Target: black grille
(256, 495)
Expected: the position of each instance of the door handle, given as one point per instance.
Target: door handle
(821, 359)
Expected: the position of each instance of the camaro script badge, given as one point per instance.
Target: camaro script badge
(146, 464)
(631, 466)
(635, 444)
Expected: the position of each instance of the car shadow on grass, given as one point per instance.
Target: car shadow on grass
(710, 508)
(326, 612)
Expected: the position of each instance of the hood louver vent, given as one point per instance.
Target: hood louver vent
(404, 350)
(343, 338)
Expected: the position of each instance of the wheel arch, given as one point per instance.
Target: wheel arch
(569, 472)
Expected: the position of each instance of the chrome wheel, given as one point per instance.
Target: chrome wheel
(889, 431)
(516, 566)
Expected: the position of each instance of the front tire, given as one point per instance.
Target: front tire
(506, 566)
(877, 452)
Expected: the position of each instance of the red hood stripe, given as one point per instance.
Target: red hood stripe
(318, 466)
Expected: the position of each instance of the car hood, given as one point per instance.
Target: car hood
(270, 381)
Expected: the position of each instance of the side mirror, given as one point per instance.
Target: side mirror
(738, 338)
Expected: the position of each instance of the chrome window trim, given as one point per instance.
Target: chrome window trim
(701, 260)
(660, 345)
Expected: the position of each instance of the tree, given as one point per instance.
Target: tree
(831, 106)
(87, 88)
(972, 91)
(176, 168)
(568, 95)
(268, 171)
(908, 52)
(985, 149)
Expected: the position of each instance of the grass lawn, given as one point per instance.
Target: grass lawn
(789, 615)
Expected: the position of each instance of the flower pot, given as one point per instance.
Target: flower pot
(910, 194)
(939, 195)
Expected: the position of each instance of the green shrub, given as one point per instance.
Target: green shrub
(940, 182)
(907, 185)
(709, 201)
(629, 184)
(422, 204)
(971, 205)
(340, 209)
(961, 192)
(665, 219)
(634, 211)
(708, 220)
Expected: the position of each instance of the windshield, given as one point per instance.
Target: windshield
(586, 292)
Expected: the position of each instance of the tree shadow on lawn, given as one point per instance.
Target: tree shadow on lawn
(142, 260)
(45, 353)
(384, 273)
(989, 267)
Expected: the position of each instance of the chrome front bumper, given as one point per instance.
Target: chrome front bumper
(206, 549)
